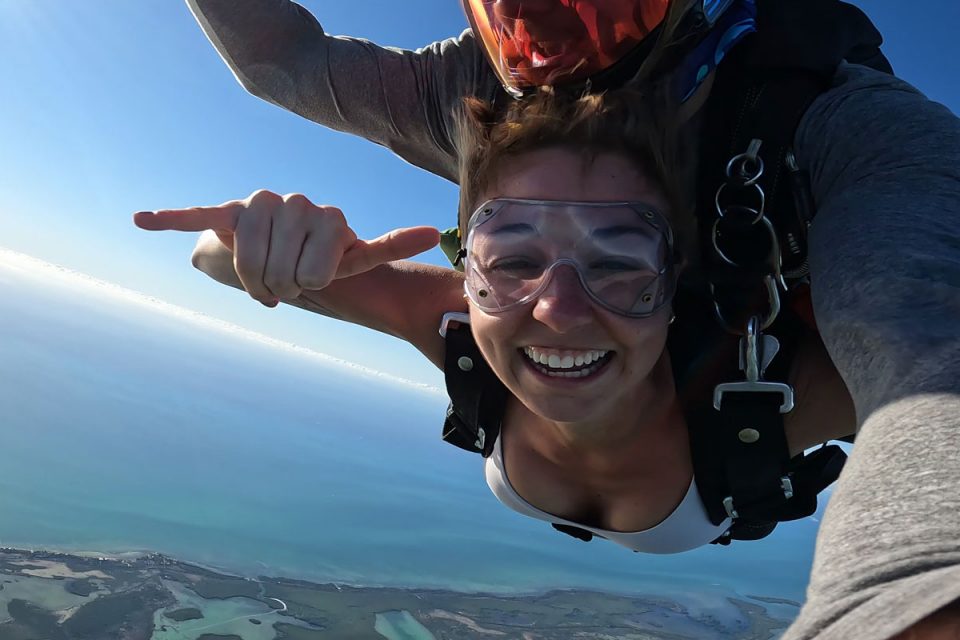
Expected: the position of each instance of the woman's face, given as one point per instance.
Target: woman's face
(564, 323)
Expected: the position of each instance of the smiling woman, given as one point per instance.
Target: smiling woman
(585, 421)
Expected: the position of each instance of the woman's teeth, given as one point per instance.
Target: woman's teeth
(557, 363)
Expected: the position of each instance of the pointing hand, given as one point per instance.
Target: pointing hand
(283, 245)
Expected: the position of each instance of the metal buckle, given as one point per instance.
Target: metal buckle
(785, 391)
(452, 316)
(787, 487)
(728, 505)
(756, 353)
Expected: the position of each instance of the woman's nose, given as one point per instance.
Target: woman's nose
(563, 305)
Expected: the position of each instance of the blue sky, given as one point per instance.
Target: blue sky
(114, 106)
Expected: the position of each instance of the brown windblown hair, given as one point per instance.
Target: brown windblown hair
(624, 121)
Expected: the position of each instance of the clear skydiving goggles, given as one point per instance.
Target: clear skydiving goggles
(622, 252)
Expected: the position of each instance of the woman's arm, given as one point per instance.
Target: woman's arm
(401, 99)
(402, 298)
(287, 248)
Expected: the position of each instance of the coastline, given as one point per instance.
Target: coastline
(148, 590)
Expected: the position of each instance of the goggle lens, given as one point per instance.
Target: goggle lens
(621, 252)
(533, 43)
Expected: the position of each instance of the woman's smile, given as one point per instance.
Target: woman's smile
(572, 367)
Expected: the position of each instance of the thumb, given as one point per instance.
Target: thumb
(398, 244)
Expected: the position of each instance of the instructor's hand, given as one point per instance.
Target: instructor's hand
(283, 245)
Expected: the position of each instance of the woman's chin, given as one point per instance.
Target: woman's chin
(564, 398)
(562, 411)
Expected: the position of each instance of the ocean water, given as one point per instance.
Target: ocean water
(123, 427)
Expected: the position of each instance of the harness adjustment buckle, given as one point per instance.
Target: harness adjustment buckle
(452, 316)
(787, 487)
(728, 505)
(785, 391)
(757, 351)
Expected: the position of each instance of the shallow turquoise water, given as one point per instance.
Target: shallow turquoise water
(400, 625)
(128, 429)
(221, 617)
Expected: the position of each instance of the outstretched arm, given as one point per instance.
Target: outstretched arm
(885, 268)
(401, 99)
(288, 249)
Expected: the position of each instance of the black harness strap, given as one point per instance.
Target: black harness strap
(477, 397)
(761, 91)
(740, 453)
(477, 402)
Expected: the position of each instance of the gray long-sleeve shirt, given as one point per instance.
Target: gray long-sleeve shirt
(885, 269)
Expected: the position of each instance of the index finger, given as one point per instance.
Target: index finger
(222, 216)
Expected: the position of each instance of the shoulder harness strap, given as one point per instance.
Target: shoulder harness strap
(740, 455)
(477, 397)
(761, 92)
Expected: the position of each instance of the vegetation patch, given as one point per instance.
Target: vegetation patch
(34, 619)
(184, 614)
(82, 587)
(223, 588)
(292, 632)
(109, 615)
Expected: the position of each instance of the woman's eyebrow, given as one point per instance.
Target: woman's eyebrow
(515, 228)
(619, 230)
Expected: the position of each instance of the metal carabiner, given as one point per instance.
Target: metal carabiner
(773, 301)
(774, 257)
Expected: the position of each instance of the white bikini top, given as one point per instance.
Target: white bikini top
(688, 527)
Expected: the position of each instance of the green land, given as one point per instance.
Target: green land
(59, 596)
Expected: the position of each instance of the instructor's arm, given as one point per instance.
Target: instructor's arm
(401, 99)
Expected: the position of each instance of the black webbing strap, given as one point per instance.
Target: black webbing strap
(477, 397)
(754, 448)
(750, 477)
(761, 91)
(477, 401)
(750, 473)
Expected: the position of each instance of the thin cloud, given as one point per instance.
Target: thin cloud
(33, 267)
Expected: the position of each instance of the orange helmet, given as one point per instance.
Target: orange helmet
(532, 43)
